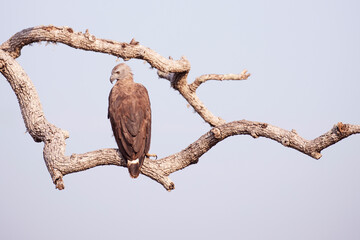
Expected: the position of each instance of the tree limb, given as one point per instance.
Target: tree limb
(179, 82)
(88, 42)
(176, 72)
(221, 77)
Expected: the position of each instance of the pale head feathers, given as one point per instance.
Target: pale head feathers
(120, 71)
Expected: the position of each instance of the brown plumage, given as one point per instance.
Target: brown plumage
(130, 116)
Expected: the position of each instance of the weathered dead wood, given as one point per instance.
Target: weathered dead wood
(176, 72)
(88, 42)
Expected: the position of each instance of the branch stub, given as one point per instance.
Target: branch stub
(216, 132)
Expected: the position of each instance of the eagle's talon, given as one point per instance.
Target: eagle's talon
(149, 155)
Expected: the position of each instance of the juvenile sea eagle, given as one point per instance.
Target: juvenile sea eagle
(130, 116)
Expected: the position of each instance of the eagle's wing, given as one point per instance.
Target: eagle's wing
(130, 117)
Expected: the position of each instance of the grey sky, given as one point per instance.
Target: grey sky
(304, 57)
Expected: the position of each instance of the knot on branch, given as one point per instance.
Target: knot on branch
(285, 141)
(216, 133)
(341, 128)
(90, 37)
(69, 29)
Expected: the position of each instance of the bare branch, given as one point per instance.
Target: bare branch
(188, 91)
(28, 99)
(178, 82)
(203, 78)
(88, 42)
(36, 124)
(159, 170)
(176, 72)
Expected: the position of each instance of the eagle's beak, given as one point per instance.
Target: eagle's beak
(112, 78)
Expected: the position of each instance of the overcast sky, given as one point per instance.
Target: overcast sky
(304, 57)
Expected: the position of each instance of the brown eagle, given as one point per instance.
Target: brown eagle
(130, 116)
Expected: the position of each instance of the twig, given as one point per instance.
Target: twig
(220, 77)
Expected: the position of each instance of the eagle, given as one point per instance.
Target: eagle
(130, 117)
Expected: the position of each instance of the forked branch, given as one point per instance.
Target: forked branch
(175, 71)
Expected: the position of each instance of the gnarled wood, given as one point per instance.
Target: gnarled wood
(88, 42)
(176, 72)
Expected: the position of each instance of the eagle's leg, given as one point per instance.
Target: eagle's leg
(149, 155)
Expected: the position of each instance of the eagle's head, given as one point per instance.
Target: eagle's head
(120, 71)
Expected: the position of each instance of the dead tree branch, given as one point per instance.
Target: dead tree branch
(220, 77)
(88, 42)
(176, 72)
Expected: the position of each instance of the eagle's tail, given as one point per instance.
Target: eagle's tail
(134, 168)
